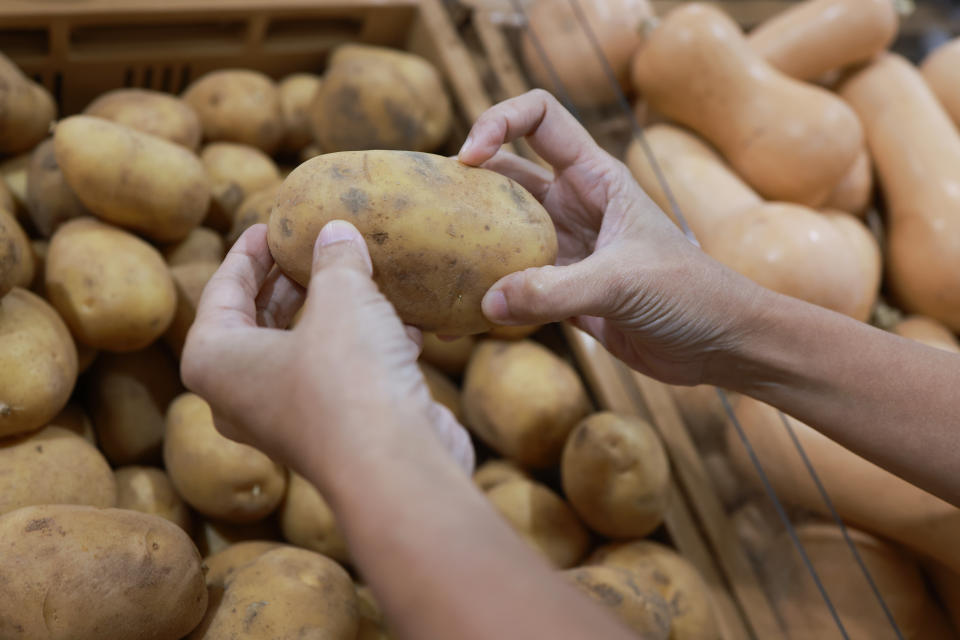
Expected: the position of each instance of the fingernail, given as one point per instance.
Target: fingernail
(494, 306)
(467, 145)
(337, 231)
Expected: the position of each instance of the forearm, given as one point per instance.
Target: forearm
(893, 401)
(439, 558)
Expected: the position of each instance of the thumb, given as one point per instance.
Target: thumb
(551, 294)
(340, 244)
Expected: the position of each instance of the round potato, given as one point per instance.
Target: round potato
(218, 477)
(53, 466)
(255, 209)
(442, 390)
(680, 584)
(641, 608)
(113, 289)
(38, 363)
(132, 179)
(616, 475)
(189, 279)
(297, 92)
(284, 593)
(74, 572)
(377, 98)
(127, 396)
(50, 200)
(201, 245)
(307, 521)
(543, 519)
(149, 490)
(238, 105)
(74, 418)
(16, 255)
(222, 564)
(235, 171)
(154, 112)
(440, 233)
(213, 536)
(449, 356)
(494, 472)
(26, 110)
(522, 400)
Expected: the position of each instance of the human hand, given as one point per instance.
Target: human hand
(625, 273)
(344, 382)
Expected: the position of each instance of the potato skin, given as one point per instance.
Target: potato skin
(255, 209)
(439, 233)
(26, 110)
(189, 280)
(63, 566)
(307, 521)
(74, 419)
(297, 92)
(238, 105)
(522, 400)
(218, 477)
(223, 563)
(215, 536)
(451, 356)
(38, 363)
(113, 289)
(284, 593)
(50, 200)
(149, 490)
(616, 475)
(154, 112)
(442, 390)
(639, 607)
(132, 179)
(201, 245)
(53, 466)
(378, 98)
(497, 471)
(235, 172)
(16, 255)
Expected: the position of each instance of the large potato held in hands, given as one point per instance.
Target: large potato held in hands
(440, 233)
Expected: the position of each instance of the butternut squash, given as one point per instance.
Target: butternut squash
(941, 70)
(789, 140)
(617, 25)
(864, 494)
(706, 190)
(928, 331)
(818, 36)
(823, 259)
(854, 192)
(916, 149)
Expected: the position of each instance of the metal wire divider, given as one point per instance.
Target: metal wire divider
(681, 220)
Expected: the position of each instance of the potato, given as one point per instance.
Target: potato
(149, 490)
(372, 624)
(297, 92)
(50, 200)
(218, 477)
(26, 110)
(6, 198)
(238, 105)
(213, 536)
(501, 332)
(522, 400)
(16, 255)
(202, 244)
(377, 98)
(127, 396)
(310, 151)
(86, 356)
(449, 356)
(235, 171)
(494, 472)
(639, 607)
(256, 209)
(113, 289)
(132, 179)
(442, 390)
(222, 564)
(14, 173)
(53, 466)
(616, 475)
(73, 418)
(154, 112)
(543, 519)
(38, 363)
(691, 610)
(189, 280)
(82, 573)
(307, 521)
(439, 232)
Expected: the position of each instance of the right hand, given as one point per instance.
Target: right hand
(625, 273)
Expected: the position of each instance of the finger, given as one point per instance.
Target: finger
(341, 269)
(530, 175)
(340, 244)
(278, 300)
(549, 128)
(229, 299)
(453, 437)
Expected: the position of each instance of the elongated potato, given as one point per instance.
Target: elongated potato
(640, 607)
(53, 466)
(307, 521)
(154, 112)
(238, 105)
(255, 209)
(377, 98)
(38, 363)
(202, 244)
(16, 256)
(297, 92)
(189, 279)
(132, 179)
(50, 200)
(440, 233)
(235, 172)
(74, 572)
(26, 109)
(218, 477)
(113, 289)
(149, 490)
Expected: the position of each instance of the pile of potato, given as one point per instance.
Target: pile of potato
(123, 512)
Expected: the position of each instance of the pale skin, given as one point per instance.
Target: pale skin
(340, 399)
